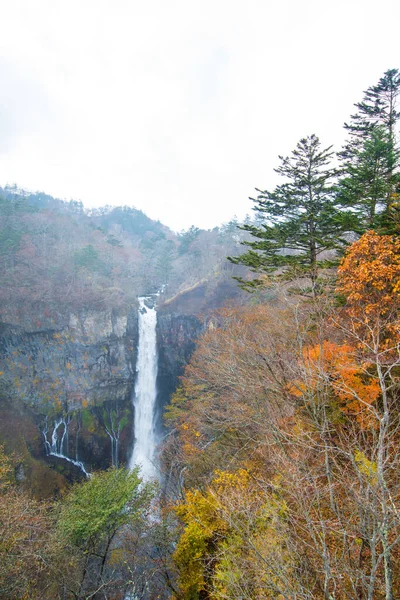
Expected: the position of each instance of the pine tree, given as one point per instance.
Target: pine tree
(368, 184)
(301, 220)
(378, 107)
(370, 158)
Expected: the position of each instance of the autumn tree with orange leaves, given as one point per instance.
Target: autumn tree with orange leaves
(369, 277)
(307, 406)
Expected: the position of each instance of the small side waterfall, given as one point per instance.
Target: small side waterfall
(145, 393)
(58, 440)
(113, 431)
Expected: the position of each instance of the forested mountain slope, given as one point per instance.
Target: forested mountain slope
(57, 258)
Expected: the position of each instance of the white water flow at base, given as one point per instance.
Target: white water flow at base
(56, 446)
(145, 393)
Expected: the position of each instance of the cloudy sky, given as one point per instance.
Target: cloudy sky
(178, 107)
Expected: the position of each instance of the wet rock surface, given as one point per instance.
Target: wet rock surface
(176, 340)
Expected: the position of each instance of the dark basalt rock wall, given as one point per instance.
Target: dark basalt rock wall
(176, 340)
(82, 372)
(84, 363)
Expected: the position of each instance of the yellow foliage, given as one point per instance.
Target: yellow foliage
(198, 512)
(232, 520)
(5, 469)
(366, 467)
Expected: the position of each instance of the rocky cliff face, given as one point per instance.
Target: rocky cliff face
(82, 363)
(76, 382)
(82, 374)
(176, 338)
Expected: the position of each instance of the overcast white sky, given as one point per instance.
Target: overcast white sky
(179, 107)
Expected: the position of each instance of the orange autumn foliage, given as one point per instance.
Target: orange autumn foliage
(337, 366)
(369, 278)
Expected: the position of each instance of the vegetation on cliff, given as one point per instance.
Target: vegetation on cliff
(57, 259)
(286, 425)
(297, 409)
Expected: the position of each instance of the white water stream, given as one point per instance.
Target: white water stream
(56, 446)
(145, 393)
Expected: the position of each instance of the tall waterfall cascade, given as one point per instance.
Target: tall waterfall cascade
(145, 393)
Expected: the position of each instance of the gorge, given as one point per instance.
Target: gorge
(204, 443)
(68, 348)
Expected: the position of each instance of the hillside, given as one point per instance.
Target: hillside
(57, 258)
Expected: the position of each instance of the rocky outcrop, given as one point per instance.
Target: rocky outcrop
(176, 340)
(203, 296)
(83, 363)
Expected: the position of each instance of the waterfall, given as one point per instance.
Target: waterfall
(145, 393)
(56, 446)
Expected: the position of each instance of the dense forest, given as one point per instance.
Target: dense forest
(56, 257)
(280, 453)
